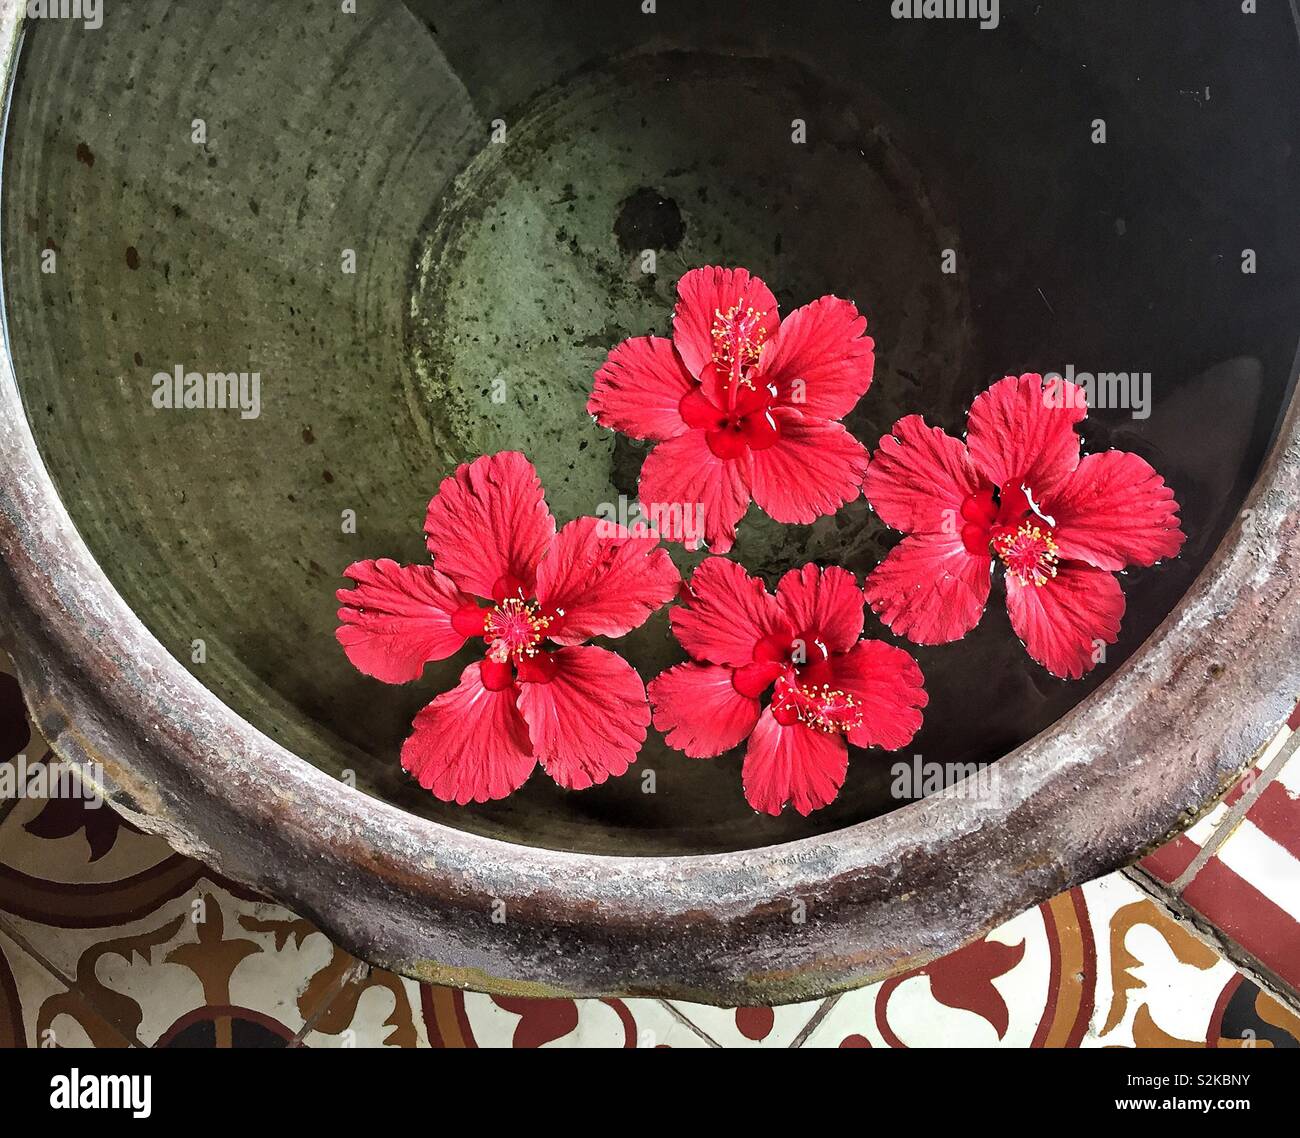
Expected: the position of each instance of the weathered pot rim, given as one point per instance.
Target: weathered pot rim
(1205, 691)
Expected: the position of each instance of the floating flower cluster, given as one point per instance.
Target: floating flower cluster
(744, 406)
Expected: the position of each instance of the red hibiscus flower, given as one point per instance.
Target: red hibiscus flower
(827, 686)
(742, 404)
(1016, 492)
(501, 573)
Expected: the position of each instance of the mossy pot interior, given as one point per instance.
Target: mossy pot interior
(518, 187)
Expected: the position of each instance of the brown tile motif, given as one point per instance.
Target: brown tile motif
(12, 1033)
(15, 730)
(63, 817)
(84, 870)
(37, 1009)
(390, 1017)
(207, 969)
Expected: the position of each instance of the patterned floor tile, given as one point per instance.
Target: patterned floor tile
(1239, 868)
(38, 1010)
(470, 1019)
(372, 1009)
(1248, 891)
(1157, 983)
(749, 1027)
(1246, 1016)
(1028, 983)
(159, 946)
(1101, 966)
(72, 863)
(206, 969)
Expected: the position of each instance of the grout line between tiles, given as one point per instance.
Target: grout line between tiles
(357, 970)
(1215, 938)
(704, 1035)
(26, 946)
(815, 1020)
(22, 942)
(1236, 813)
(31, 950)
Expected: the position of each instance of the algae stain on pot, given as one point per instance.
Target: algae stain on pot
(532, 268)
(648, 221)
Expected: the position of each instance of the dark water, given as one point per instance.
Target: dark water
(202, 172)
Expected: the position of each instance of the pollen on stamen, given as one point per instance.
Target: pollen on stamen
(1030, 554)
(738, 341)
(831, 711)
(819, 707)
(514, 628)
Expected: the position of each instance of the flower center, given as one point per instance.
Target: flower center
(1029, 553)
(734, 434)
(514, 628)
(738, 337)
(818, 706)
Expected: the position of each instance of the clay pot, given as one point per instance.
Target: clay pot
(422, 228)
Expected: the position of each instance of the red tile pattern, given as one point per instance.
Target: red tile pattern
(1238, 869)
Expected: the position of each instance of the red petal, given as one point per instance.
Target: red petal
(589, 722)
(725, 614)
(1066, 622)
(398, 618)
(890, 688)
(794, 764)
(713, 386)
(920, 478)
(603, 581)
(498, 675)
(825, 604)
(823, 345)
(701, 495)
(759, 429)
(639, 389)
(726, 443)
(470, 744)
(702, 293)
(698, 411)
(1115, 511)
(1021, 430)
(754, 399)
(813, 469)
(930, 589)
(754, 679)
(488, 521)
(699, 710)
